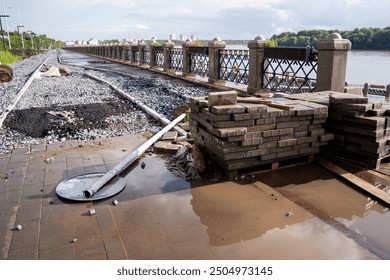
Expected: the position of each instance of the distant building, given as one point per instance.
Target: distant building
(193, 37)
(172, 37)
(93, 42)
(183, 37)
(69, 43)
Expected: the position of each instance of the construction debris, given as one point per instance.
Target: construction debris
(183, 164)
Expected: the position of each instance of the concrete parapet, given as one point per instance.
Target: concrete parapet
(214, 47)
(167, 47)
(186, 57)
(256, 57)
(332, 63)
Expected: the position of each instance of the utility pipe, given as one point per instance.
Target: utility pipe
(129, 159)
(161, 118)
(20, 93)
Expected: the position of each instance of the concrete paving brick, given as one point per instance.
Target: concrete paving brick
(28, 236)
(28, 253)
(28, 213)
(32, 194)
(34, 178)
(232, 124)
(227, 109)
(222, 98)
(114, 249)
(59, 253)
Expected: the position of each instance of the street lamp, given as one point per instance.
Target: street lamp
(1, 28)
(21, 34)
(32, 38)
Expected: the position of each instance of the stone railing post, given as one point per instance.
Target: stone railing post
(256, 57)
(126, 52)
(133, 48)
(332, 63)
(152, 46)
(214, 47)
(141, 46)
(187, 57)
(167, 47)
(117, 52)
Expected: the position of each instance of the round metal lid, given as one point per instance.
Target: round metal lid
(72, 188)
(6, 74)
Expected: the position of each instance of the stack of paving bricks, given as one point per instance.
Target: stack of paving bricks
(248, 132)
(361, 127)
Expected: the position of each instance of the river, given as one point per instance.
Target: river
(372, 67)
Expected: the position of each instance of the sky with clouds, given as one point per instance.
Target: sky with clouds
(206, 19)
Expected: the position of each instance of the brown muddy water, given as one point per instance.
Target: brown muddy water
(300, 212)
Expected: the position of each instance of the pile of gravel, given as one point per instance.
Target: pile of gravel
(76, 107)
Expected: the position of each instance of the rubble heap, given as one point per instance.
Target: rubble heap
(245, 132)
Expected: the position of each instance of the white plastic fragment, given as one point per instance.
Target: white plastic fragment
(74, 240)
(91, 211)
(48, 160)
(289, 214)
(115, 202)
(18, 227)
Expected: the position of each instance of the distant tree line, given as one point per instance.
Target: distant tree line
(361, 38)
(31, 41)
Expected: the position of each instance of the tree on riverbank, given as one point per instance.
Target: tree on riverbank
(361, 38)
(30, 40)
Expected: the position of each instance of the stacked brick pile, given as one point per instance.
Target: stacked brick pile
(361, 127)
(243, 133)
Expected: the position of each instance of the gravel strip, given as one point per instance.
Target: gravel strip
(76, 107)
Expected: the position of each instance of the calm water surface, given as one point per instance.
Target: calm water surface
(372, 67)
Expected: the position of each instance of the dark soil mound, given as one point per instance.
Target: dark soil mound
(38, 122)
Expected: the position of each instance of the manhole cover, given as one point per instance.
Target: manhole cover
(6, 74)
(72, 188)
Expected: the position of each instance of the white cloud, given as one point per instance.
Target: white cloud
(206, 19)
(142, 26)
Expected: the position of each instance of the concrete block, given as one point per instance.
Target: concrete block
(227, 124)
(227, 109)
(346, 98)
(287, 142)
(222, 98)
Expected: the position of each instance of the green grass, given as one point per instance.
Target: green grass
(8, 58)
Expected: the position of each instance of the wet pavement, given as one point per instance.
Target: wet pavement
(160, 216)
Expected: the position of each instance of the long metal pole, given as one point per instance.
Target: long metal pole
(129, 159)
(2, 35)
(6, 26)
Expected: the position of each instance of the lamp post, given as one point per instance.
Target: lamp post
(1, 28)
(21, 34)
(32, 38)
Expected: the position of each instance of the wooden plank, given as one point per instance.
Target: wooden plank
(371, 189)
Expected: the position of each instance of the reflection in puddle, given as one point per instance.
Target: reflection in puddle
(246, 220)
(375, 227)
(311, 239)
(149, 176)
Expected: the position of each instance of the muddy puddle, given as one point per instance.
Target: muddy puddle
(250, 220)
(342, 202)
(161, 216)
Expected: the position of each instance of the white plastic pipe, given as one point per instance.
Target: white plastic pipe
(12, 105)
(129, 159)
(161, 118)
